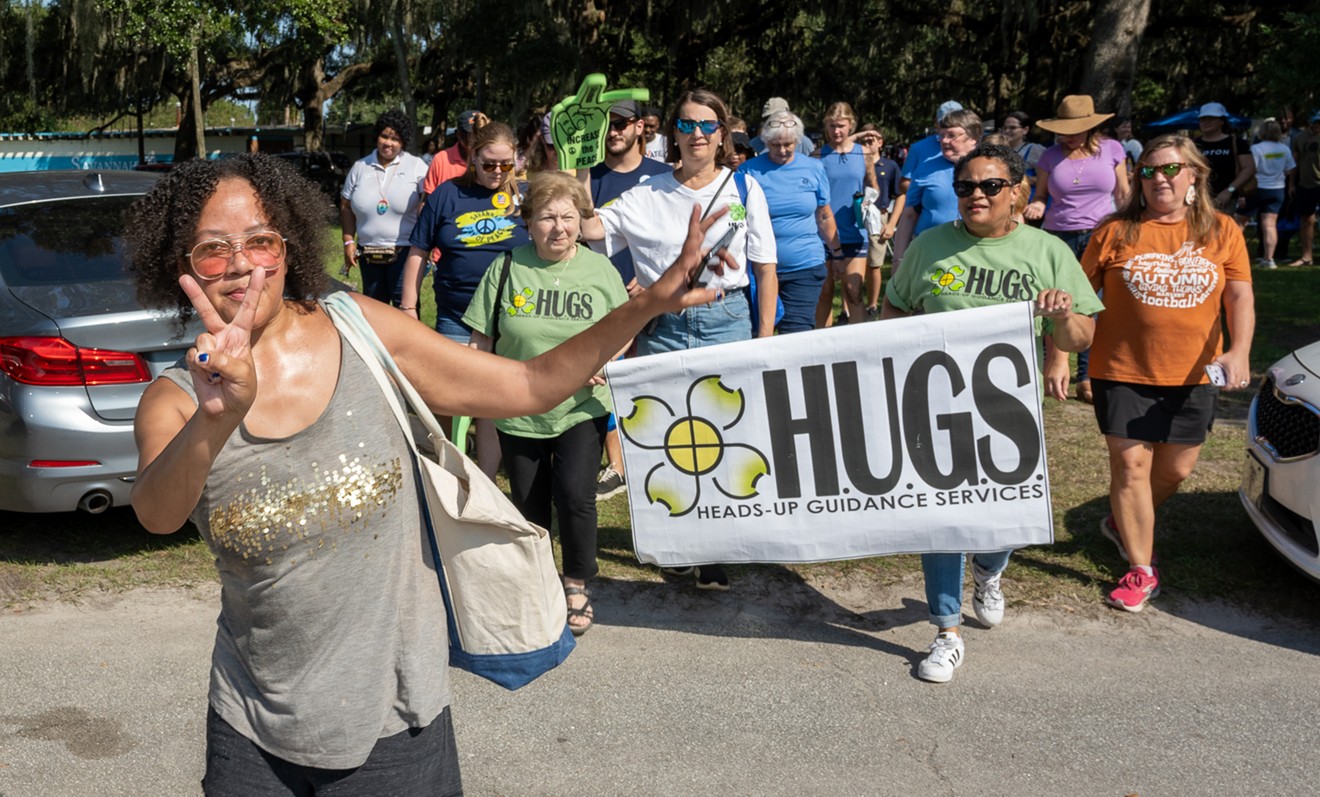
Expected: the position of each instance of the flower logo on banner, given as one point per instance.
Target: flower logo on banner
(947, 280)
(694, 446)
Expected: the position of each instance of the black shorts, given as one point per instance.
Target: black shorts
(1155, 413)
(1306, 200)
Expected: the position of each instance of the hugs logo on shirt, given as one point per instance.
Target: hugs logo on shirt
(1181, 279)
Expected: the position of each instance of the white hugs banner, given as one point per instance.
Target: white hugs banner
(921, 434)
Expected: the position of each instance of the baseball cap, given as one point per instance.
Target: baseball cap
(466, 119)
(1213, 109)
(628, 109)
(947, 108)
(740, 140)
(773, 105)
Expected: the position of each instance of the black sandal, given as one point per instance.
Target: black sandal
(579, 630)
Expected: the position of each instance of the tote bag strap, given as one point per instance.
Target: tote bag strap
(353, 326)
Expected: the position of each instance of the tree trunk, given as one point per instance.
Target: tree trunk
(199, 115)
(1110, 64)
(401, 61)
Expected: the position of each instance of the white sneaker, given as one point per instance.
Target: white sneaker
(988, 598)
(946, 655)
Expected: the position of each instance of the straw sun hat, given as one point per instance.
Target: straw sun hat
(1076, 114)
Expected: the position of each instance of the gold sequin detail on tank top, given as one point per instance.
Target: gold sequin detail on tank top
(267, 518)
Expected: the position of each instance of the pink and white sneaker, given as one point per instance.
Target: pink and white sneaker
(1135, 590)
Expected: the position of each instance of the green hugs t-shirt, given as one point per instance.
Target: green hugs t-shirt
(543, 305)
(947, 268)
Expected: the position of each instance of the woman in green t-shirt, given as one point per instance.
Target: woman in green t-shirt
(531, 300)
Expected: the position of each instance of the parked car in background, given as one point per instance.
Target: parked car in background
(1281, 485)
(76, 350)
(326, 169)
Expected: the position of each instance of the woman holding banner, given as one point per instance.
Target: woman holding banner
(1167, 262)
(648, 220)
(986, 237)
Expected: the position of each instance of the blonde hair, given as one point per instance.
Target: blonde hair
(841, 110)
(1202, 217)
(484, 134)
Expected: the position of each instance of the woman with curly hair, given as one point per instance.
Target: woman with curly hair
(382, 196)
(330, 658)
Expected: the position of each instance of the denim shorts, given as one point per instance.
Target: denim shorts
(1267, 200)
(800, 290)
(723, 321)
(456, 331)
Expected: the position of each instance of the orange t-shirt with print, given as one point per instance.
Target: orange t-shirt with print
(1162, 296)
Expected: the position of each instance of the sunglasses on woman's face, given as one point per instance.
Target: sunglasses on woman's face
(991, 187)
(1169, 170)
(690, 126)
(211, 258)
(490, 167)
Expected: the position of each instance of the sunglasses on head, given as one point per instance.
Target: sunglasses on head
(1169, 170)
(690, 126)
(991, 187)
(211, 258)
(618, 125)
(490, 167)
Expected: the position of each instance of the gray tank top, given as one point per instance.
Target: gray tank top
(332, 628)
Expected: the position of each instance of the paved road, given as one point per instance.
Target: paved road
(779, 687)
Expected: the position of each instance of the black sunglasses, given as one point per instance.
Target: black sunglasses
(619, 125)
(991, 187)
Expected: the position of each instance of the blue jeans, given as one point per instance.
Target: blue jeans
(455, 330)
(1077, 241)
(800, 290)
(384, 283)
(944, 582)
(724, 321)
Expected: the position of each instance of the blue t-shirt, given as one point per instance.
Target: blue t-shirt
(469, 226)
(794, 192)
(606, 186)
(847, 175)
(931, 190)
(919, 152)
(887, 178)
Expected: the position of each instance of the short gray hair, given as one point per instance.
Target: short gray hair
(781, 126)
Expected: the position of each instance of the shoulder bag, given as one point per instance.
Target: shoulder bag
(504, 604)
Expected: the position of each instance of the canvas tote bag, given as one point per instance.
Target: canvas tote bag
(504, 602)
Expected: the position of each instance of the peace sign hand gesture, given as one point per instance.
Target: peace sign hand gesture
(223, 372)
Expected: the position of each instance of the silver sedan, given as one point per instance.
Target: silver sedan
(76, 350)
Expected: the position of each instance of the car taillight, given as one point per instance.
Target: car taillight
(56, 361)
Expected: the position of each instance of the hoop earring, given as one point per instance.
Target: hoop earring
(1190, 197)
(1141, 199)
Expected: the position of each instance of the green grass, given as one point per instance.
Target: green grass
(1208, 547)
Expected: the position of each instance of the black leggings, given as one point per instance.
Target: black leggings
(561, 470)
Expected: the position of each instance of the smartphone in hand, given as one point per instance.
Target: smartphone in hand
(713, 257)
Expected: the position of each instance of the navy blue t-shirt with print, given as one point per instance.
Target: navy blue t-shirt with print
(888, 176)
(606, 186)
(469, 226)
